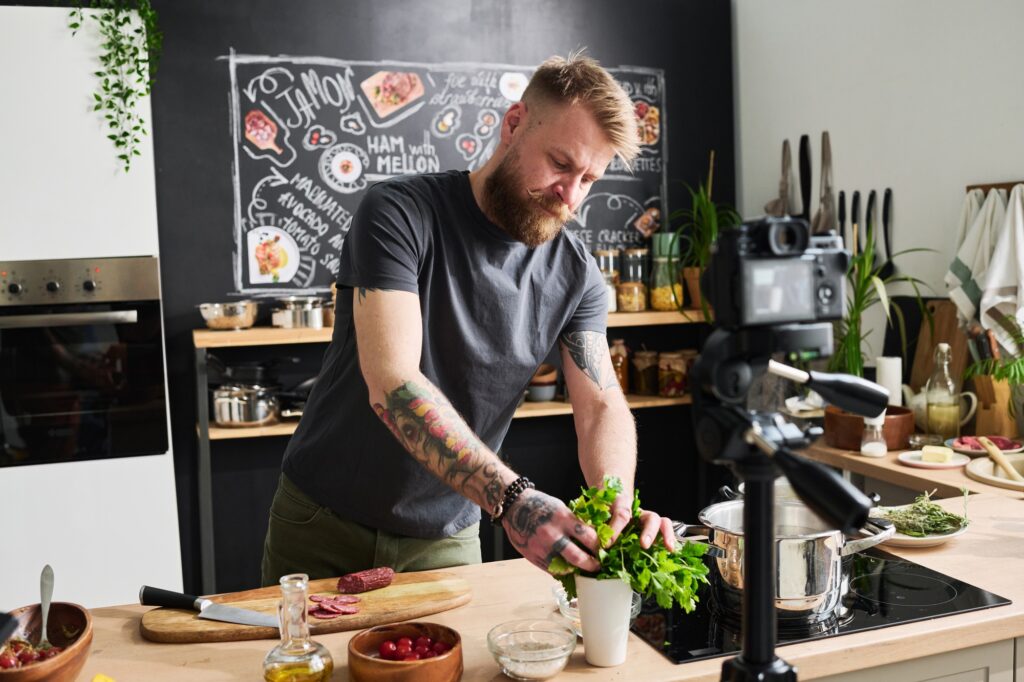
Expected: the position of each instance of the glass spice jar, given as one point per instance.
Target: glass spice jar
(620, 363)
(645, 372)
(297, 658)
(634, 266)
(666, 273)
(671, 374)
(608, 262)
(631, 297)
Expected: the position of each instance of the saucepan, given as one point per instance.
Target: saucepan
(809, 555)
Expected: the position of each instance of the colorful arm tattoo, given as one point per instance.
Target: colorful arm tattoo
(587, 349)
(426, 424)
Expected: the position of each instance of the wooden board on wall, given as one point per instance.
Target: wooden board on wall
(946, 330)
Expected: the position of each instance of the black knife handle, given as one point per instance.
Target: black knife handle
(887, 206)
(842, 210)
(869, 212)
(805, 177)
(855, 208)
(154, 596)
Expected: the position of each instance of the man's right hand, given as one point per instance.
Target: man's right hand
(542, 527)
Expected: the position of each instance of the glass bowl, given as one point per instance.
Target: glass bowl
(567, 607)
(531, 649)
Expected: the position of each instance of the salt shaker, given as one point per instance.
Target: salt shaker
(872, 443)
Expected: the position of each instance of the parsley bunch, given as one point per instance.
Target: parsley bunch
(667, 576)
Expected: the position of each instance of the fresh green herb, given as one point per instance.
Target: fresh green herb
(667, 576)
(924, 517)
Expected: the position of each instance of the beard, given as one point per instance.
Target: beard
(528, 216)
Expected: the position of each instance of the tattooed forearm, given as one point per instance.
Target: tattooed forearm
(426, 424)
(587, 350)
(363, 291)
(527, 516)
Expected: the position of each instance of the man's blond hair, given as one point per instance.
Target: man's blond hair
(578, 79)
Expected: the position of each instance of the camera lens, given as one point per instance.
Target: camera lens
(787, 238)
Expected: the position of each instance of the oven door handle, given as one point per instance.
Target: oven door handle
(69, 319)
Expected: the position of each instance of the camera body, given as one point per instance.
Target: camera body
(772, 271)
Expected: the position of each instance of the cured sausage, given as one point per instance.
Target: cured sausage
(363, 581)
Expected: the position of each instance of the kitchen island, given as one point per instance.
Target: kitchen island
(980, 645)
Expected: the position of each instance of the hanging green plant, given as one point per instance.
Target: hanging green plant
(130, 53)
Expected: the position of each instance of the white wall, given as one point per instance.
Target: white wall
(64, 193)
(923, 96)
(106, 526)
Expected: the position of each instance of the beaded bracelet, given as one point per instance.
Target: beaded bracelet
(512, 493)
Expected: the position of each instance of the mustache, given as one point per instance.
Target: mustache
(564, 213)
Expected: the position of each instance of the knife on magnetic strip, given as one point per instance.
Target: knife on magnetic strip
(154, 596)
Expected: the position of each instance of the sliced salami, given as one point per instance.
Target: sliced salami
(323, 615)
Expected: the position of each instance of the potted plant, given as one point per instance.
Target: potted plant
(866, 287)
(999, 383)
(698, 229)
(605, 597)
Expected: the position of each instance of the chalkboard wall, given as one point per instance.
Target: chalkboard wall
(200, 139)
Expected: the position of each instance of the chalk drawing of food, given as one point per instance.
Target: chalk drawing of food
(391, 91)
(648, 121)
(273, 255)
(261, 131)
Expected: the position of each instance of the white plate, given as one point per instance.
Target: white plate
(901, 540)
(912, 458)
(288, 247)
(985, 470)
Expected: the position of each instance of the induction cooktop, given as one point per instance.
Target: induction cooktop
(883, 590)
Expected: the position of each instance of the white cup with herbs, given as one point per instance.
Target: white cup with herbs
(605, 597)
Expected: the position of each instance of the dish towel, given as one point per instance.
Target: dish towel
(967, 271)
(824, 220)
(969, 211)
(1001, 292)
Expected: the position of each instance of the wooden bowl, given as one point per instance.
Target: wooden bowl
(545, 374)
(64, 619)
(366, 665)
(844, 430)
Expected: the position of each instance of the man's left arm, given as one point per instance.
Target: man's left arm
(605, 427)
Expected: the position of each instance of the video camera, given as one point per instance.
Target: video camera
(772, 271)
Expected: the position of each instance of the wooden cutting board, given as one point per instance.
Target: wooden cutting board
(946, 329)
(411, 595)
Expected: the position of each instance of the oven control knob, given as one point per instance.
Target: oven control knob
(53, 286)
(15, 288)
(89, 285)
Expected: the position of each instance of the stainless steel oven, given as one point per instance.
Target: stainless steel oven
(81, 360)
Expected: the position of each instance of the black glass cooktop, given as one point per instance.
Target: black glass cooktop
(883, 590)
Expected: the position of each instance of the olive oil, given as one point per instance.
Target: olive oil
(299, 672)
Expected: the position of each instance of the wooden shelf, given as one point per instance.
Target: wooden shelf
(272, 336)
(525, 411)
(258, 336)
(654, 317)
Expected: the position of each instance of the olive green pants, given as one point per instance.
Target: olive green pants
(305, 537)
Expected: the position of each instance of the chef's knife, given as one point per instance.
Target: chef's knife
(154, 596)
(888, 269)
(842, 218)
(805, 177)
(858, 237)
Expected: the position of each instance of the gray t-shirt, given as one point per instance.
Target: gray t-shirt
(492, 311)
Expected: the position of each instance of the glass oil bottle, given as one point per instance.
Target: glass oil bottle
(297, 658)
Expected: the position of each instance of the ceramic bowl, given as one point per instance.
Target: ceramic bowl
(531, 649)
(366, 665)
(538, 393)
(69, 626)
(545, 374)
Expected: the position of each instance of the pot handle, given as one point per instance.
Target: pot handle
(683, 530)
(879, 531)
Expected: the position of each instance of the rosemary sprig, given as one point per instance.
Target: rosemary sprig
(924, 517)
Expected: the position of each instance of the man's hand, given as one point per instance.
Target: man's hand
(541, 527)
(650, 523)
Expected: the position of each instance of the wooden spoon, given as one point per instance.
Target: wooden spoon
(997, 456)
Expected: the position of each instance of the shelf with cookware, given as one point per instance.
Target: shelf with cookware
(205, 340)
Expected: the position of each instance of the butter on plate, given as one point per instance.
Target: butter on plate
(936, 453)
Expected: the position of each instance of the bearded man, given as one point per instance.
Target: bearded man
(453, 288)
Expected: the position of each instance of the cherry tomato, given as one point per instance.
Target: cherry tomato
(387, 649)
(8, 660)
(422, 649)
(402, 651)
(411, 657)
(423, 641)
(27, 656)
(441, 647)
(430, 654)
(404, 640)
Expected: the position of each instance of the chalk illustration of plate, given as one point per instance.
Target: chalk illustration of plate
(511, 85)
(342, 167)
(912, 458)
(273, 255)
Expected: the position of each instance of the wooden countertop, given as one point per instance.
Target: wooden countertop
(948, 482)
(990, 555)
